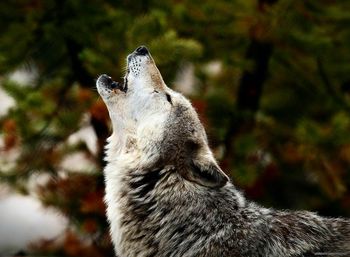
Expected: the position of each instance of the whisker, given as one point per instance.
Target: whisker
(125, 69)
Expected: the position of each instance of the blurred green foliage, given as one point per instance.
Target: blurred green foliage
(276, 110)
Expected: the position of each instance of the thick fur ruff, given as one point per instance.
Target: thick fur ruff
(166, 195)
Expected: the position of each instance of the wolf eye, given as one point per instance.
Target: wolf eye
(168, 98)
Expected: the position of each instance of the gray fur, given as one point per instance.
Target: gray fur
(167, 196)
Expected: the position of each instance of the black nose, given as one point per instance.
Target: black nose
(141, 50)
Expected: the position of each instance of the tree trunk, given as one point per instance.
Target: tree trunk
(250, 86)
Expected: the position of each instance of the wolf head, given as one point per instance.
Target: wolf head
(160, 125)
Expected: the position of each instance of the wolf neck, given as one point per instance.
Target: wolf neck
(117, 144)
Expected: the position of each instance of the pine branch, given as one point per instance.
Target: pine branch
(329, 87)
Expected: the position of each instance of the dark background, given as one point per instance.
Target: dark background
(269, 78)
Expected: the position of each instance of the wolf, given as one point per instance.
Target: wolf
(166, 195)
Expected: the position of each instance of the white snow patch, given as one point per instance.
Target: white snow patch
(6, 102)
(24, 220)
(213, 68)
(78, 162)
(87, 135)
(185, 80)
(25, 75)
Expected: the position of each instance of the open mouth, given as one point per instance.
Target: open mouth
(112, 85)
(133, 65)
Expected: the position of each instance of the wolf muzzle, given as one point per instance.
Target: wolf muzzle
(111, 84)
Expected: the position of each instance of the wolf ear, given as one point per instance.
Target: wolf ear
(206, 174)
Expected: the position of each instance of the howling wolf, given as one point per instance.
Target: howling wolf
(166, 195)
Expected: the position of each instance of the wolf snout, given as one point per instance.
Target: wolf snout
(105, 80)
(108, 82)
(140, 51)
